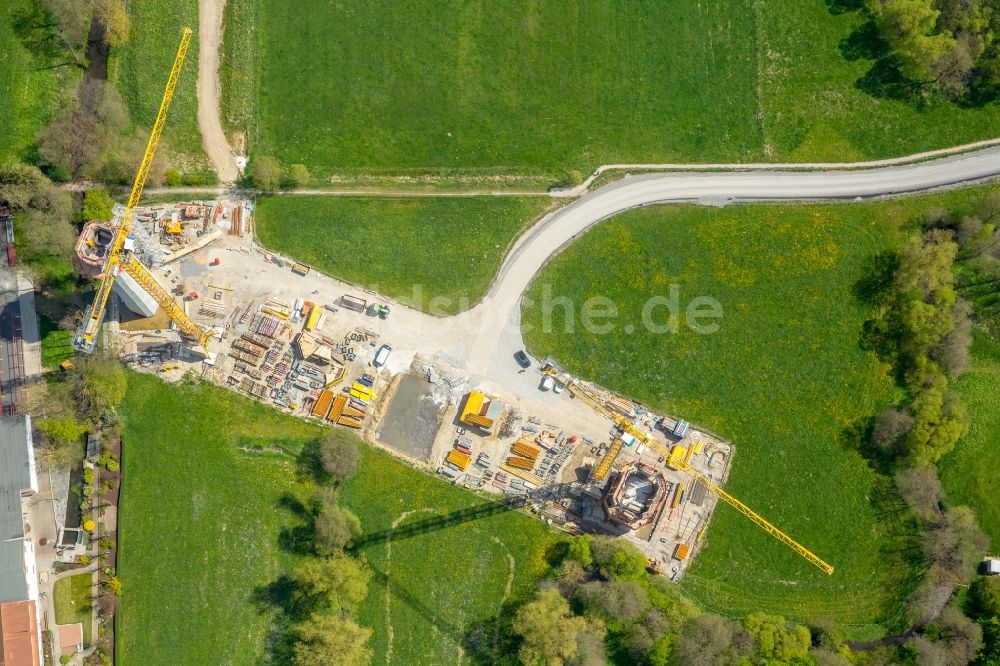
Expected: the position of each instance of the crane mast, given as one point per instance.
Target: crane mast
(681, 463)
(120, 256)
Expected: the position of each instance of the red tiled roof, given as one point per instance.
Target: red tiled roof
(18, 634)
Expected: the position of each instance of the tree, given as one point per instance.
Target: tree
(590, 646)
(952, 71)
(777, 639)
(266, 173)
(824, 657)
(618, 559)
(97, 204)
(339, 454)
(99, 385)
(107, 604)
(330, 640)
(84, 130)
(579, 550)
(953, 640)
(336, 528)
(644, 636)
(921, 489)
(18, 184)
(986, 593)
(72, 19)
(64, 434)
(571, 573)
(44, 228)
(955, 543)
(114, 585)
(299, 176)
(116, 22)
(549, 631)
(339, 584)
(710, 640)
(952, 352)
(826, 634)
(892, 425)
(618, 600)
(940, 420)
(909, 28)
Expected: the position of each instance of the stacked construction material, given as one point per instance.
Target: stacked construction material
(245, 357)
(212, 309)
(458, 460)
(338, 408)
(523, 454)
(323, 404)
(521, 463)
(279, 309)
(250, 347)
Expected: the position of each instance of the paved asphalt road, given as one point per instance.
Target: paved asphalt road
(499, 334)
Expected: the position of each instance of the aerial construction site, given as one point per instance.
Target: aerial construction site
(580, 457)
(184, 288)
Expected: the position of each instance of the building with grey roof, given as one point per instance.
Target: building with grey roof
(18, 480)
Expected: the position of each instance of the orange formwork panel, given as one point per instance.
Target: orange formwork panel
(323, 404)
(338, 407)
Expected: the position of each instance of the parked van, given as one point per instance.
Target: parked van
(382, 356)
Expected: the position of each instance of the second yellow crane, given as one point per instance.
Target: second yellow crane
(679, 460)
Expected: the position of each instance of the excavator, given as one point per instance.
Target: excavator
(120, 256)
(676, 458)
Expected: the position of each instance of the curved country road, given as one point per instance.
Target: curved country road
(497, 318)
(482, 340)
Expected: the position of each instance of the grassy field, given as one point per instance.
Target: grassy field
(541, 88)
(206, 477)
(29, 88)
(140, 69)
(490, 87)
(451, 247)
(968, 475)
(437, 589)
(57, 345)
(809, 59)
(783, 378)
(74, 603)
(200, 522)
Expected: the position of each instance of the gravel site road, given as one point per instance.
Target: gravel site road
(209, 122)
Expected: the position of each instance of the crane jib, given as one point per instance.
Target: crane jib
(118, 256)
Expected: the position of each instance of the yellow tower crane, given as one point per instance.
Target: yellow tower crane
(120, 256)
(678, 459)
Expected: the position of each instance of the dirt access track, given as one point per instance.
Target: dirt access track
(209, 121)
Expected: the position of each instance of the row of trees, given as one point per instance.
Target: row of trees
(85, 138)
(42, 219)
(602, 596)
(942, 47)
(924, 330)
(65, 410)
(326, 590)
(267, 174)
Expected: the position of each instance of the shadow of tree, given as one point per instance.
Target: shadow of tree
(277, 599)
(838, 7)
(309, 466)
(874, 286)
(297, 539)
(884, 80)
